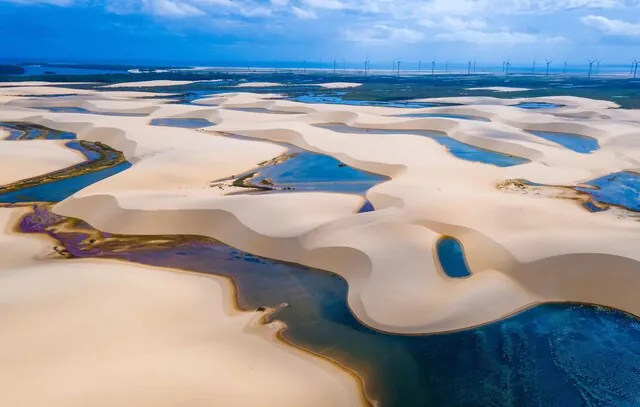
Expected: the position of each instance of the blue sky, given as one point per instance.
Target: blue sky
(209, 31)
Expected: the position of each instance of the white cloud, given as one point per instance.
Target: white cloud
(612, 27)
(171, 8)
(481, 37)
(381, 33)
(303, 14)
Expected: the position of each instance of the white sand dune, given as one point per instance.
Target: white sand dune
(523, 249)
(339, 85)
(259, 85)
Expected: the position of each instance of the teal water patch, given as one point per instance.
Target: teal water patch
(537, 105)
(458, 149)
(575, 142)
(24, 131)
(446, 116)
(551, 355)
(451, 257)
(620, 189)
(308, 171)
(184, 123)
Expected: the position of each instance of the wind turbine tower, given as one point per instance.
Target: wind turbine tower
(433, 67)
(591, 62)
(533, 68)
(506, 67)
(469, 68)
(597, 67)
(549, 61)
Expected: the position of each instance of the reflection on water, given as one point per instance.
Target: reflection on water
(620, 189)
(457, 148)
(551, 355)
(451, 257)
(447, 116)
(24, 131)
(575, 142)
(181, 122)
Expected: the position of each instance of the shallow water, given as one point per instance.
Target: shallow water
(461, 150)
(185, 123)
(22, 131)
(551, 355)
(447, 116)
(308, 171)
(537, 105)
(575, 142)
(451, 257)
(620, 189)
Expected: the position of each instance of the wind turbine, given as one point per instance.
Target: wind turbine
(549, 61)
(504, 64)
(564, 70)
(591, 62)
(446, 66)
(533, 69)
(399, 67)
(433, 66)
(597, 67)
(635, 67)
(469, 68)
(474, 66)
(506, 67)
(419, 66)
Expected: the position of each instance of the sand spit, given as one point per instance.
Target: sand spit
(157, 83)
(522, 250)
(339, 85)
(501, 89)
